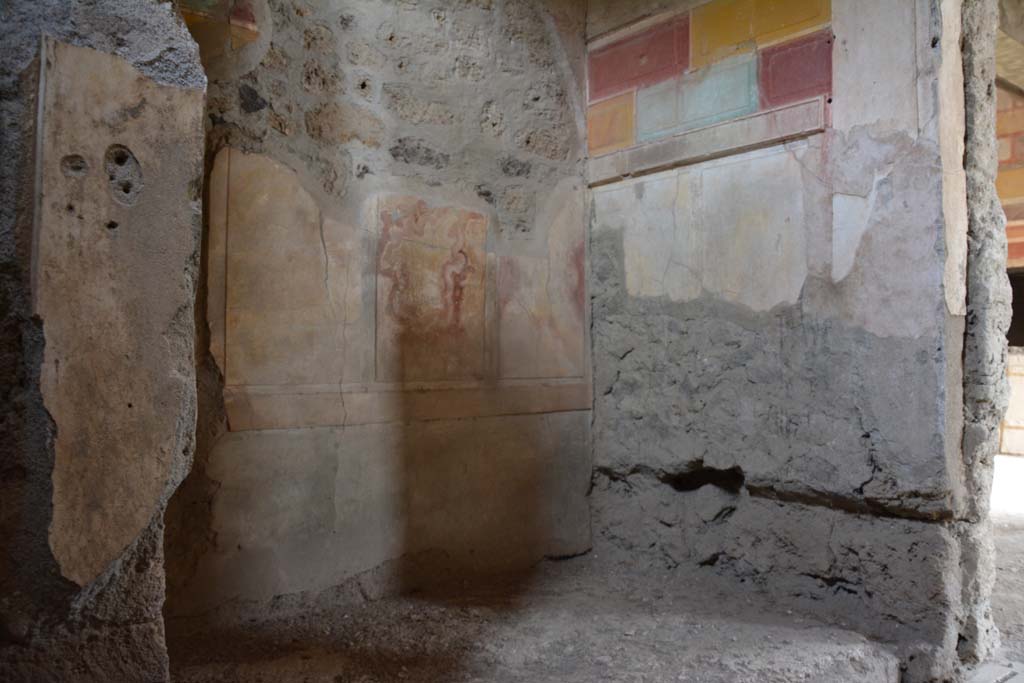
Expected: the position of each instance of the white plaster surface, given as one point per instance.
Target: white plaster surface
(874, 64)
(734, 228)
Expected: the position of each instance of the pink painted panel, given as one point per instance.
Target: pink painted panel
(1015, 252)
(658, 53)
(796, 70)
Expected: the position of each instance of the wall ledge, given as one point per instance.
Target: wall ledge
(724, 139)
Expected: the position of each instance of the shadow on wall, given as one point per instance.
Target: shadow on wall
(394, 386)
(470, 490)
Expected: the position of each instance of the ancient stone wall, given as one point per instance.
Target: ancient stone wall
(395, 273)
(779, 263)
(99, 228)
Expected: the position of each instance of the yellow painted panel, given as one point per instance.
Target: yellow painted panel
(1010, 122)
(720, 29)
(1010, 184)
(777, 20)
(611, 124)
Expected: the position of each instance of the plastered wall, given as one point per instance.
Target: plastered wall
(395, 296)
(779, 298)
(102, 131)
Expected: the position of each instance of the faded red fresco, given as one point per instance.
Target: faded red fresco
(430, 291)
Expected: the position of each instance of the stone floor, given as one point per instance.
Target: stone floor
(564, 623)
(569, 623)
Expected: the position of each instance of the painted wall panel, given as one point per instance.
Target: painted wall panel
(797, 70)
(610, 124)
(648, 57)
(778, 20)
(657, 110)
(1010, 184)
(721, 92)
(721, 29)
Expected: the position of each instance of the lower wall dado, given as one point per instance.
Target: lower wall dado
(307, 509)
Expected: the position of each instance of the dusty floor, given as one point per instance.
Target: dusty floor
(564, 623)
(1008, 523)
(570, 623)
(1008, 594)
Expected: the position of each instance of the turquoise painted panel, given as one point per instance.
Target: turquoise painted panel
(720, 92)
(657, 110)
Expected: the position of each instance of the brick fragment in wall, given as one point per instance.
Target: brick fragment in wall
(250, 100)
(548, 143)
(414, 108)
(513, 167)
(491, 119)
(316, 78)
(318, 38)
(340, 122)
(416, 152)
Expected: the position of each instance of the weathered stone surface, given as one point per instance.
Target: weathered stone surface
(822, 560)
(335, 123)
(113, 280)
(988, 318)
(112, 629)
(764, 403)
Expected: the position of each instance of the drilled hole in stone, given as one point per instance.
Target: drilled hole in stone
(124, 173)
(70, 208)
(74, 165)
(111, 225)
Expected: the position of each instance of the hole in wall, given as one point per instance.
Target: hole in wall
(124, 172)
(74, 165)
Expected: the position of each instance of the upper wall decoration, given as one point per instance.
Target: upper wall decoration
(1010, 181)
(220, 25)
(721, 61)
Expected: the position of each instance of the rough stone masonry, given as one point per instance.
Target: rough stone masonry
(768, 340)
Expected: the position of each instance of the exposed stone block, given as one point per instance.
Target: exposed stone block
(119, 171)
(340, 122)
